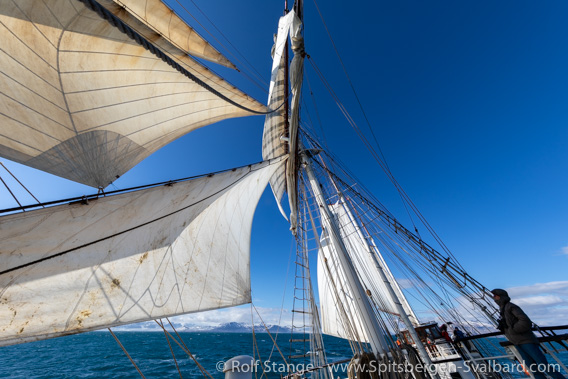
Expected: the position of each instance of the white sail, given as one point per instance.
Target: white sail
(361, 254)
(339, 316)
(159, 17)
(81, 99)
(132, 257)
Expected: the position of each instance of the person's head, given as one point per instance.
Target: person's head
(498, 293)
(500, 296)
(444, 327)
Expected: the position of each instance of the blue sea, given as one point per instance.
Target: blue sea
(98, 355)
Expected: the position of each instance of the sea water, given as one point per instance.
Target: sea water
(98, 355)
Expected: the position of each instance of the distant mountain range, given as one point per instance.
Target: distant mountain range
(230, 327)
(236, 327)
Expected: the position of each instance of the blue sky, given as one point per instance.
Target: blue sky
(469, 101)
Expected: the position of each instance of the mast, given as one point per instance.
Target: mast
(370, 324)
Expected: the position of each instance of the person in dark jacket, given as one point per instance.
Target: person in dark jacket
(517, 327)
(459, 336)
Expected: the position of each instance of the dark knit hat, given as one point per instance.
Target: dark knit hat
(499, 292)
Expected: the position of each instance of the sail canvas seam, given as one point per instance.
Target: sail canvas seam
(31, 90)
(37, 76)
(139, 100)
(20, 142)
(38, 113)
(38, 29)
(161, 122)
(64, 28)
(23, 43)
(133, 85)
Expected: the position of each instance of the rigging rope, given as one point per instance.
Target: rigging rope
(184, 347)
(170, 346)
(424, 247)
(11, 193)
(263, 84)
(255, 345)
(126, 352)
(423, 255)
(322, 130)
(318, 356)
(283, 299)
(351, 84)
(404, 196)
(382, 160)
(270, 335)
(20, 183)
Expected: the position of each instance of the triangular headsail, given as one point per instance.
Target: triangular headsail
(87, 100)
(127, 258)
(334, 293)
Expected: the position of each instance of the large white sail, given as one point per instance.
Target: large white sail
(137, 256)
(81, 99)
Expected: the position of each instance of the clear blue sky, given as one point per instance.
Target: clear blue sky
(469, 101)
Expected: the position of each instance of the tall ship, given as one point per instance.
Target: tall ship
(92, 88)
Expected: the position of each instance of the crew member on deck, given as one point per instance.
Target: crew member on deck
(444, 330)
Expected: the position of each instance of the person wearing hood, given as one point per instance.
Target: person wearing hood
(517, 327)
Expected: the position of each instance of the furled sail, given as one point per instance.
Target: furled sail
(159, 17)
(273, 143)
(87, 100)
(278, 138)
(331, 280)
(296, 79)
(132, 257)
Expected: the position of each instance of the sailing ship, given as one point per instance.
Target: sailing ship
(91, 88)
